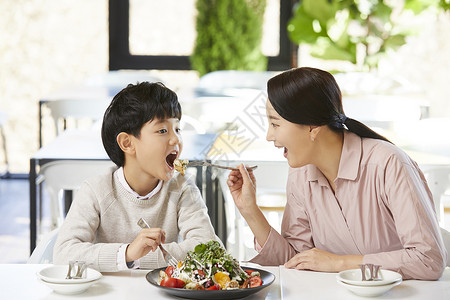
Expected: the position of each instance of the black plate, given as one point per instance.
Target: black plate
(267, 278)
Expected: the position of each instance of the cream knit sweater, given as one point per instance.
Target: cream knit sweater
(103, 216)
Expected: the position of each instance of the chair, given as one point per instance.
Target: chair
(67, 175)
(64, 109)
(438, 179)
(43, 253)
(446, 238)
(93, 109)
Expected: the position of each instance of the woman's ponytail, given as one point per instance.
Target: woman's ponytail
(362, 130)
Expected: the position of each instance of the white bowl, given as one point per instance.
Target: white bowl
(70, 288)
(57, 274)
(369, 290)
(354, 277)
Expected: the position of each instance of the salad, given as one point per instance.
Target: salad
(209, 267)
(180, 165)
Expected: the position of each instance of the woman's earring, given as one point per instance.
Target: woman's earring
(312, 139)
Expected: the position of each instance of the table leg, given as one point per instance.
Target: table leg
(40, 124)
(68, 197)
(199, 179)
(33, 205)
(214, 202)
(209, 196)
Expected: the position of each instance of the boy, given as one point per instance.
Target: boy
(141, 134)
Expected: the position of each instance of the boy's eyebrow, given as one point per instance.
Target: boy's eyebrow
(160, 121)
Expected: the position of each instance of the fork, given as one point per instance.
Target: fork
(69, 272)
(79, 267)
(169, 258)
(373, 269)
(198, 163)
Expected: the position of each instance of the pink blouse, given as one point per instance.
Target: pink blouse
(381, 208)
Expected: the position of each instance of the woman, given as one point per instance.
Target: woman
(352, 196)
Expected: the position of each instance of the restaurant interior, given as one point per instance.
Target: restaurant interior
(61, 63)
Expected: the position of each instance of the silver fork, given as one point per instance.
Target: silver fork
(198, 163)
(373, 269)
(69, 272)
(79, 267)
(169, 258)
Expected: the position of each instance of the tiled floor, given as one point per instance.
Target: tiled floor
(14, 221)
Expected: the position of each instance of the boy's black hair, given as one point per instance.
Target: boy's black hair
(131, 108)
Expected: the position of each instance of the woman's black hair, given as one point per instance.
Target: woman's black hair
(131, 108)
(310, 96)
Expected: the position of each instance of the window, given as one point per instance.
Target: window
(135, 25)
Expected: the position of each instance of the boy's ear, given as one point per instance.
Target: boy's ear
(125, 142)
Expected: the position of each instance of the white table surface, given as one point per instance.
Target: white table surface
(316, 285)
(19, 281)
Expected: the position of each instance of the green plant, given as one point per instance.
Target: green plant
(229, 34)
(338, 29)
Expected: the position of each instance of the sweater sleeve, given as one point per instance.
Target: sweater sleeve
(194, 225)
(423, 255)
(76, 237)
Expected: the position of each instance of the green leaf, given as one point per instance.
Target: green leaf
(200, 248)
(383, 12)
(337, 28)
(300, 27)
(418, 6)
(444, 4)
(321, 10)
(326, 49)
(394, 41)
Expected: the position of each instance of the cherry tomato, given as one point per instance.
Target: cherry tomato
(214, 287)
(249, 272)
(169, 271)
(255, 281)
(172, 283)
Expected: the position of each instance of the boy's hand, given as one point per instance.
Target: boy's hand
(147, 240)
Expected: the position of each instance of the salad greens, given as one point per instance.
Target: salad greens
(212, 258)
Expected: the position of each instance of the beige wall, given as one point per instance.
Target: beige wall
(45, 44)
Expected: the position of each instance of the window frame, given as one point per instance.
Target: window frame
(121, 58)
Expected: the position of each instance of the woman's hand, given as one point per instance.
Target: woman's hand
(242, 184)
(323, 261)
(147, 240)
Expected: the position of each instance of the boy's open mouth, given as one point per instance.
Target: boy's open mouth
(171, 158)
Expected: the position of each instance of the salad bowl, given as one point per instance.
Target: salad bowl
(267, 278)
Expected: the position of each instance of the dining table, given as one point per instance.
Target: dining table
(19, 281)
